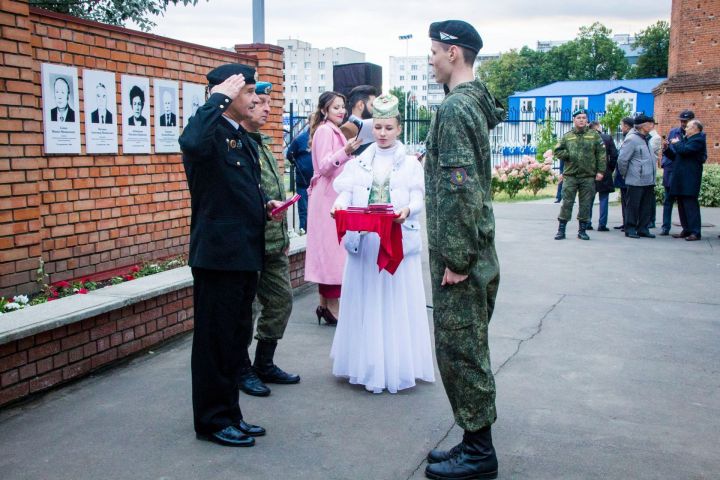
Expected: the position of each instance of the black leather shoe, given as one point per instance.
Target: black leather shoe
(646, 234)
(228, 436)
(437, 456)
(589, 227)
(632, 234)
(664, 233)
(602, 228)
(276, 374)
(252, 385)
(619, 227)
(692, 238)
(251, 430)
(680, 235)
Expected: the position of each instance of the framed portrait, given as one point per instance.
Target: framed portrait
(166, 116)
(135, 114)
(193, 96)
(61, 111)
(99, 95)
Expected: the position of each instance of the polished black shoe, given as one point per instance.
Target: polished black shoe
(692, 238)
(251, 430)
(664, 233)
(228, 436)
(266, 369)
(631, 234)
(249, 383)
(680, 235)
(437, 456)
(619, 227)
(475, 459)
(603, 228)
(646, 234)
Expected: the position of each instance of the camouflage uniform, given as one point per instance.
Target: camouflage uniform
(583, 152)
(461, 233)
(274, 292)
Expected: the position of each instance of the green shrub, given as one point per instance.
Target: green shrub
(709, 188)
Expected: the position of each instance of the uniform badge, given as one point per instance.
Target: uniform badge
(458, 176)
(233, 143)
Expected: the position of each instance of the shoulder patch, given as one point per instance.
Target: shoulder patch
(458, 176)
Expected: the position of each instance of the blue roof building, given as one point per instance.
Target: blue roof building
(561, 98)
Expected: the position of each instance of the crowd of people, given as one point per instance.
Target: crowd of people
(350, 158)
(589, 157)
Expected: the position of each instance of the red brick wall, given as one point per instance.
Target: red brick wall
(50, 358)
(86, 214)
(693, 69)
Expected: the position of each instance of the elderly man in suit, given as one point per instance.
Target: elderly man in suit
(228, 214)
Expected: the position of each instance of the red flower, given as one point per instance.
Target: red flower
(50, 299)
(62, 284)
(83, 291)
(135, 269)
(128, 277)
(84, 281)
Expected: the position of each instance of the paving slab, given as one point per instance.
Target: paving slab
(606, 359)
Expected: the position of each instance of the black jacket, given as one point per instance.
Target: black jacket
(606, 184)
(688, 156)
(227, 229)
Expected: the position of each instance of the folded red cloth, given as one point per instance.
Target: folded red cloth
(391, 249)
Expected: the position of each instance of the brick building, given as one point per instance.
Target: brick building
(693, 70)
(88, 215)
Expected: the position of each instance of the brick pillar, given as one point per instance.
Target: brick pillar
(20, 152)
(693, 70)
(270, 69)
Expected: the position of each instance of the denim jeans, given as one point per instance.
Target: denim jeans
(604, 196)
(667, 210)
(302, 207)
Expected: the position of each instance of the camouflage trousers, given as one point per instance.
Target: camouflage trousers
(584, 187)
(461, 314)
(273, 304)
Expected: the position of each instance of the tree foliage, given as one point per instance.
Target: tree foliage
(655, 43)
(614, 113)
(113, 12)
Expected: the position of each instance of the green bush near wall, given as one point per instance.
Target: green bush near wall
(709, 188)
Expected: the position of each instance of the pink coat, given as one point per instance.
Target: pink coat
(324, 256)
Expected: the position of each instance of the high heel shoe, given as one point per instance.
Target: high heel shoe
(325, 314)
(320, 312)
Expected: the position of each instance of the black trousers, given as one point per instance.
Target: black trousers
(223, 328)
(689, 212)
(623, 202)
(638, 212)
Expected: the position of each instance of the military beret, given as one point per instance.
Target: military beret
(218, 75)
(456, 32)
(579, 111)
(640, 119)
(686, 115)
(263, 88)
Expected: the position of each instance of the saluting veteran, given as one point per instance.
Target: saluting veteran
(274, 291)
(461, 234)
(583, 151)
(228, 215)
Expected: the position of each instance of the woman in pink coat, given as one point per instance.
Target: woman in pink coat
(324, 256)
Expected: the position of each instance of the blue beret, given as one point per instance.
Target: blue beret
(218, 75)
(263, 88)
(456, 32)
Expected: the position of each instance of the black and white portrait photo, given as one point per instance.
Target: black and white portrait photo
(193, 95)
(135, 95)
(99, 94)
(166, 116)
(61, 118)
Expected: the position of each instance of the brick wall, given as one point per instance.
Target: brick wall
(50, 358)
(87, 214)
(693, 70)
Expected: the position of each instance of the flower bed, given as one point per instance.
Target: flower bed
(527, 174)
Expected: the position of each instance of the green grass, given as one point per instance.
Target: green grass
(526, 195)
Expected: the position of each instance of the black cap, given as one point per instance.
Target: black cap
(218, 75)
(456, 32)
(640, 119)
(686, 115)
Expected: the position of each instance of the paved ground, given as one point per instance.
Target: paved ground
(606, 354)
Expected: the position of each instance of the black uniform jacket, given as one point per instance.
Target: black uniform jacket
(227, 229)
(606, 184)
(688, 156)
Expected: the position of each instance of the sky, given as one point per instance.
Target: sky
(373, 26)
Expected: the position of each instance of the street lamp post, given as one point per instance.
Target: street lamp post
(407, 89)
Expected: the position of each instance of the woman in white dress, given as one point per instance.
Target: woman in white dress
(383, 338)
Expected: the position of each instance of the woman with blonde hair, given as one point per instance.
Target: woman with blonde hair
(324, 257)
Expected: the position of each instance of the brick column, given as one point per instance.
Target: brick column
(270, 69)
(20, 152)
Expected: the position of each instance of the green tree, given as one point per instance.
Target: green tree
(546, 138)
(113, 12)
(597, 56)
(655, 43)
(614, 113)
(513, 71)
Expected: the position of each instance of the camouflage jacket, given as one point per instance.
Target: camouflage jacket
(276, 233)
(458, 174)
(583, 153)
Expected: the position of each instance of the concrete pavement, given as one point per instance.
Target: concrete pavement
(606, 359)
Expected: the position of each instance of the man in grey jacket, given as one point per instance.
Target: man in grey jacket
(638, 165)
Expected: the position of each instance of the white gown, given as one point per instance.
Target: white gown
(382, 339)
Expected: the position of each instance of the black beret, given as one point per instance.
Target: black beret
(456, 32)
(218, 75)
(686, 115)
(579, 111)
(640, 119)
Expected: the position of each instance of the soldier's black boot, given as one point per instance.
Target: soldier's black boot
(266, 370)
(560, 235)
(249, 382)
(474, 459)
(437, 456)
(581, 231)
